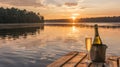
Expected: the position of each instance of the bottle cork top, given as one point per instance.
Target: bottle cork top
(96, 26)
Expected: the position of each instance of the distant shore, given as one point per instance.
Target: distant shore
(20, 25)
(102, 25)
(90, 19)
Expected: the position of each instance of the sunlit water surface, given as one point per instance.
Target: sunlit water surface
(40, 46)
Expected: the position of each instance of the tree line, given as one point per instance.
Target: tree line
(92, 19)
(101, 19)
(58, 20)
(14, 15)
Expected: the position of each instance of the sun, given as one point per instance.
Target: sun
(73, 17)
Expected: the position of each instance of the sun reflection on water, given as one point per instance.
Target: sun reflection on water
(74, 29)
(73, 23)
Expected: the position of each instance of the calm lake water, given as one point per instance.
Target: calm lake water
(37, 47)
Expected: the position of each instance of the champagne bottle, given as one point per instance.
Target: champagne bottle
(97, 39)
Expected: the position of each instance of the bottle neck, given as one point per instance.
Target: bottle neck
(96, 32)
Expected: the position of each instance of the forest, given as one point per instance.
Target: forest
(100, 19)
(15, 15)
(90, 19)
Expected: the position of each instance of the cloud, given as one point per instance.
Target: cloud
(61, 2)
(64, 4)
(22, 2)
(71, 4)
(83, 7)
(48, 4)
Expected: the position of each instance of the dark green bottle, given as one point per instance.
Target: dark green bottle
(97, 39)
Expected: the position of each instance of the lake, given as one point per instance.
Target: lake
(39, 46)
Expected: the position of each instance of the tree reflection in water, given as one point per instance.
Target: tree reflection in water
(18, 32)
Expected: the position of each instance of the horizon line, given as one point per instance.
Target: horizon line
(80, 18)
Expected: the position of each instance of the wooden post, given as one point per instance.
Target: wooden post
(98, 53)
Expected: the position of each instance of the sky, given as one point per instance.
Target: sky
(64, 9)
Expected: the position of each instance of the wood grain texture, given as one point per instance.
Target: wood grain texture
(78, 59)
(60, 62)
(114, 61)
(75, 60)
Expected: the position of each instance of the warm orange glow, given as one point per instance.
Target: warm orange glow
(73, 18)
(73, 23)
(73, 28)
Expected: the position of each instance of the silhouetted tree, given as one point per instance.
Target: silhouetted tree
(14, 15)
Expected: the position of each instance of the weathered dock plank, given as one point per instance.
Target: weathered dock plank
(73, 62)
(82, 65)
(60, 62)
(114, 61)
(78, 59)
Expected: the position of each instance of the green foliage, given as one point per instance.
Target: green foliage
(14, 15)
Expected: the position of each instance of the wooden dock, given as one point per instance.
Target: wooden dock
(79, 59)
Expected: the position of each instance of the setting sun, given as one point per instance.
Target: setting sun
(73, 17)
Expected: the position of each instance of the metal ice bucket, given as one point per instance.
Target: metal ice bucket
(98, 53)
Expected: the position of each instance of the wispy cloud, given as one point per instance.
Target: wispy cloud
(61, 2)
(39, 3)
(71, 4)
(21, 2)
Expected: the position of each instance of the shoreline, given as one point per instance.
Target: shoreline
(20, 25)
(114, 25)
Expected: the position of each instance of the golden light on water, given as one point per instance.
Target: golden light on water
(73, 32)
(73, 23)
(73, 28)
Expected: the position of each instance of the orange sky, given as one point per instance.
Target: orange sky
(59, 9)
